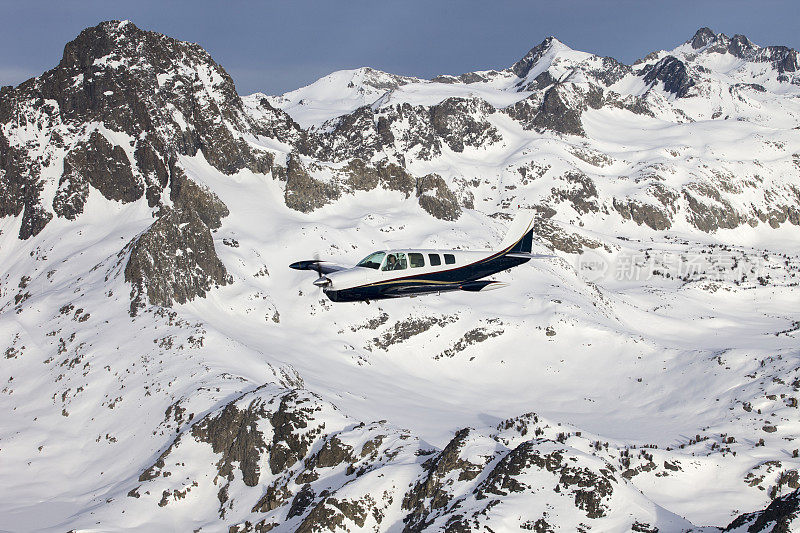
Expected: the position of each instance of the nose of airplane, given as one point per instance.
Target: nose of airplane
(322, 281)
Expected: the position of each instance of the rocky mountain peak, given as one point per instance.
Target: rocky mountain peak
(702, 37)
(783, 58)
(167, 96)
(123, 39)
(524, 65)
(379, 79)
(672, 72)
(740, 46)
(128, 62)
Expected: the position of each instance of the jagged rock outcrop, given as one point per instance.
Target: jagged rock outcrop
(103, 166)
(553, 111)
(436, 198)
(782, 515)
(672, 72)
(303, 192)
(642, 213)
(189, 196)
(174, 260)
(702, 37)
(453, 120)
(400, 129)
(522, 67)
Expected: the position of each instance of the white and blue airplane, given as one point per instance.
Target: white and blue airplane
(412, 272)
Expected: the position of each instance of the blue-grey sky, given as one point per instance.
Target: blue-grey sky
(276, 46)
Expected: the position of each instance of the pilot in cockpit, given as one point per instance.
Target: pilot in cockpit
(391, 262)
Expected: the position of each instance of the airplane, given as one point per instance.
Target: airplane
(413, 272)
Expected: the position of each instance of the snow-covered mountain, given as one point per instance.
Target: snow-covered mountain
(163, 368)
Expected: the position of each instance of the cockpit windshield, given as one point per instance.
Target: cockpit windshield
(373, 260)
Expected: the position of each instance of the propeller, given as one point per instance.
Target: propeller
(315, 265)
(322, 281)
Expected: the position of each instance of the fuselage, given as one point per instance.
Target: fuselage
(409, 272)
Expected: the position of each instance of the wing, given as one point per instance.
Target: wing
(323, 267)
(524, 255)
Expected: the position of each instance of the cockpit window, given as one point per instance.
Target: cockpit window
(373, 260)
(395, 261)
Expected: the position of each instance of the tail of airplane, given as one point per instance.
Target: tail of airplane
(519, 238)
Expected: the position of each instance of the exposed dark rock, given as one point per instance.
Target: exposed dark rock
(611, 71)
(363, 177)
(502, 479)
(471, 337)
(34, 217)
(323, 517)
(292, 435)
(453, 120)
(582, 193)
(173, 260)
(20, 186)
(154, 171)
(589, 488)
(234, 434)
(303, 192)
(105, 167)
(188, 195)
(355, 135)
(274, 496)
(442, 203)
(740, 46)
(333, 453)
(561, 240)
(672, 72)
(702, 37)
(73, 190)
(405, 329)
(554, 113)
(641, 213)
(708, 211)
(430, 494)
(781, 516)
(524, 65)
(541, 82)
(783, 58)
(635, 104)
(301, 501)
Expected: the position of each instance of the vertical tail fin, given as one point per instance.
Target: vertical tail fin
(519, 237)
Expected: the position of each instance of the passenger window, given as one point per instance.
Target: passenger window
(435, 259)
(449, 259)
(416, 260)
(395, 261)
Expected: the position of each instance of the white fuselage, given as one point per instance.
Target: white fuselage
(448, 260)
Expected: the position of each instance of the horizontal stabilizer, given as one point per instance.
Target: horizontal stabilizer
(482, 285)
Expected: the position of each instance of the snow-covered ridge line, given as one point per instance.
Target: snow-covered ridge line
(344, 91)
